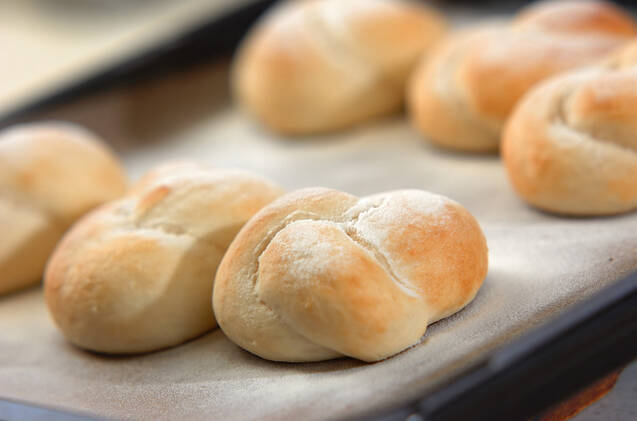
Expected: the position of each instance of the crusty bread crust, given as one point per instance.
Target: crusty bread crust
(136, 275)
(320, 274)
(461, 94)
(571, 146)
(320, 65)
(50, 175)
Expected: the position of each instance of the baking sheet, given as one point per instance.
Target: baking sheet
(539, 265)
(49, 44)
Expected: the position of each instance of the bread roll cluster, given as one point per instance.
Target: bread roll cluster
(319, 65)
(317, 275)
(571, 144)
(320, 274)
(462, 93)
(136, 275)
(50, 175)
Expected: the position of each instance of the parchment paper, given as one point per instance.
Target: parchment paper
(539, 266)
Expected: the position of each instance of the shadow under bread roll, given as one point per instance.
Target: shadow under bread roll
(320, 274)
(312, 66)
(460, 97)
(50, 174)
(136, 275)
(570, 146)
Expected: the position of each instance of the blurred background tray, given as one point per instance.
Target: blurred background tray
(54, 49)
(542, 268)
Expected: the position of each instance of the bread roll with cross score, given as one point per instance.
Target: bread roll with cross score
(571, 144)
(50, 174)
(136, 275)
(320, 274)
(318, 65)
(461, 95)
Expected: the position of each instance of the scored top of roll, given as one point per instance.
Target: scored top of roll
(318, 65)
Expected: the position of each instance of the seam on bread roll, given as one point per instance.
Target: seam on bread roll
(331, 36)
(569, 146)
(348, 227)
(320, 65)
(570, 133)
(447, 86)
(352, 230)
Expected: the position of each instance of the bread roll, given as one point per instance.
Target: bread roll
(318, 65)
(460, 97)
(571, 144)
(320, 274)
(136, 275)
(50, 174)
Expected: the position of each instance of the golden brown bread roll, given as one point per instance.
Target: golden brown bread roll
(460, 97)
(136, 275)
(570, 146)
(318, 65)
(319, 274)
(50, 174)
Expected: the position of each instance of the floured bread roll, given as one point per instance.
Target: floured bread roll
(136, 275)
(318, 65)
(320, 274)
(461, 95)
(571, 144)
(50, 174)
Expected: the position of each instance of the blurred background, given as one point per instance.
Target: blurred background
(56, 52)
(110, 65)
